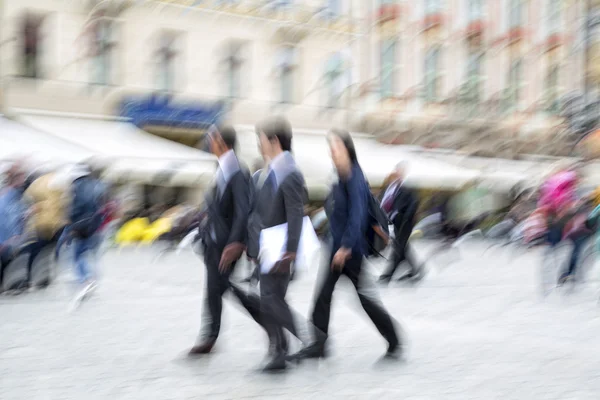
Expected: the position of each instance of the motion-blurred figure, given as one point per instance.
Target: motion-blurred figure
(281, 198)
(85, 219)
(12, 218)
(225, 234)
(400, 204)
(48, 217)
(348, 212)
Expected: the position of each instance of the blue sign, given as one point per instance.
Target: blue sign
(159, 110)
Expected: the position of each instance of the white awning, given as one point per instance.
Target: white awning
(128, 152)
(376, 159)
(22, 141)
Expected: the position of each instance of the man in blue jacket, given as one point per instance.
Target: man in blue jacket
(12, 218)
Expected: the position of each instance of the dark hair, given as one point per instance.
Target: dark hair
(228, 135)
(277, 128)
(347, 141)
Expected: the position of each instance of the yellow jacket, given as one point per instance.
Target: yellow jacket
(49, 208)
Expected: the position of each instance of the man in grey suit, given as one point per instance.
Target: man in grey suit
(282, 195)
(224, 235)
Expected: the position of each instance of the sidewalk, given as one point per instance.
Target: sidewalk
(476, 329)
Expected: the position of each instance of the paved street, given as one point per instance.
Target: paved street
(475, 329)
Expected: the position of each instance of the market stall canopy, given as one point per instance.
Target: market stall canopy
(22, 141)
(128, 152)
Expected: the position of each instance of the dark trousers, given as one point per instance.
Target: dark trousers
(401, 254)
(372, 306)
(578, 244)
(276, 313)
(217, 284)
(6, 256)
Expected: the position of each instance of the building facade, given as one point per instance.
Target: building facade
(451, 73)
(254, 58)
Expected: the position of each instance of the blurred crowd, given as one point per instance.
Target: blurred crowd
(44, 210)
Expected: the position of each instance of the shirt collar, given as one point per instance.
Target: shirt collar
(228, 164)
(279, 160)
(282, 165)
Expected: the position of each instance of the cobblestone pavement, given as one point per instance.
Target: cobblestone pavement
(475, 329)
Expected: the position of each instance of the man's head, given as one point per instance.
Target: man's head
(275, 136)
(222, 140)
(15, 177)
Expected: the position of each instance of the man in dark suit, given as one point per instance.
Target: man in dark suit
(259, 211)
(225, 232)
(401, 204)
(282, 195)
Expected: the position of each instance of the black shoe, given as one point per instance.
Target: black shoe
(277, 364)
(314, 351)
(393, 353)
(203, 348)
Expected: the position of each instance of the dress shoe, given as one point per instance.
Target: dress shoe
(314, 351)
(202, 348)
(394, 352)
(277, 364)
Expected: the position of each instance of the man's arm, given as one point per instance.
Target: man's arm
(241, 209)
(293, 197)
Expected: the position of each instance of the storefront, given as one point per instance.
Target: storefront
(182, 122)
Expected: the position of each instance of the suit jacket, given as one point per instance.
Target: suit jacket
(261, 197)
(284, 194)
(404, 208)
(227, 211)
(348, 211)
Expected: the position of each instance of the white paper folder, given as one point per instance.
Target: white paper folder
(273, 242)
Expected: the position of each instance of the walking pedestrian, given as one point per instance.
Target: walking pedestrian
(48, 217)
(224, 235)
(281, 199)
(348, 213)
(12, 218)
(400, 204)
(85, 220)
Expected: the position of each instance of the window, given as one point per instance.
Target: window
(552, 89)
(334, 8)
(515, 17)
(31, 34)
(334, 75)
(388, 67)
(475, 10)
(234, 62)
(515, 77)
(167, 61)
(287, 74)
(474, 76)
(433, 6)
(102, 51)
(432, 74)
(554, 11)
